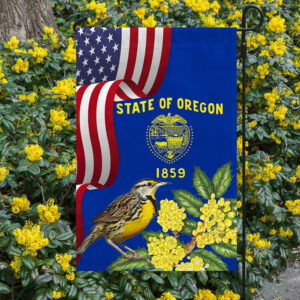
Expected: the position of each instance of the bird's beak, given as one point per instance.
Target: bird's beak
(159, 184)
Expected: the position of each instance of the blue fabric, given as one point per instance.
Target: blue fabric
(202, 66)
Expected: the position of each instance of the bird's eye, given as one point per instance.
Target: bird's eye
(149, 184)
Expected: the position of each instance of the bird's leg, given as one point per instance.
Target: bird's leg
(110, 242)
(136, 255)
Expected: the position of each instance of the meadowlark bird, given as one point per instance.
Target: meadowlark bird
(125, 217)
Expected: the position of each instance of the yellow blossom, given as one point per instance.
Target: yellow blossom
(21, 65)
(140, 12)
(48, 30)
(19, 204)
(257, 241)
(272, 98)
(16, 265)
(195, 264)
(58, 119)
(70, 53)
(280, 112)
(64, 88)
(12, 44)
(276, 139)
(34, 152)
(285, 233)
(38, 53)
(198, 5)
(205, 295)
(165, 251)
(262, 71)
(31, 237)
(3, 173)
(293, 206)
(149, 22)
(253, 124)
(70, 276)
(276, 25)
(58, 294)
(63, 260)
(65, 170)
(278, 47)
(166, 296)
(99, 8)
(229, 295)
(48, 213)
(272, 231)
(31, 97)
(170, 216)
(109, 295)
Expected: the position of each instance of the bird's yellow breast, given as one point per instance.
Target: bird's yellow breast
(134, 227)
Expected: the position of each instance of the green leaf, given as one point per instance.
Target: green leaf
(4, 289)
(214, 262)
(222, 180)
(189, 226)
(187, 200)
(225, 249)
(28, 262)
(202, 183)
(123, 264)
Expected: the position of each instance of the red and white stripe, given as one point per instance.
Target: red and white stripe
(143, 62)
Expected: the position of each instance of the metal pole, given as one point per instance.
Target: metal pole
(244, 30)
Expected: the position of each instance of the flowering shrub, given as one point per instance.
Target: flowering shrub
(37, 136)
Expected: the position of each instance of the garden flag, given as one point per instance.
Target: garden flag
(156, 149)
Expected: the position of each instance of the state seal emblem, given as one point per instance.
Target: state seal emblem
(169, 137)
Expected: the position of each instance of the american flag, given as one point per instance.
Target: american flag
(113, 64)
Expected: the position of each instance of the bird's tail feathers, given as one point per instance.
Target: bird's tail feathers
(94, 235)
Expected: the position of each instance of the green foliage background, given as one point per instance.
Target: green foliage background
(271, 140)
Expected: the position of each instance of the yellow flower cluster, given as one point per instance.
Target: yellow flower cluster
(19, 204)
(278, 47)
(276, 25)
(2, 75)
(205, 295)
(276, 139)
(170, 216)
(64, 88)
(268, 172)
(271, 99)
(64, 261)
(280, 112)
(3, 173)
(273, 231)
(216, 223)
(239, 144)
(22, 65)
(34, 152)
(48, 30)
(163, 6)
(65, 170)
(16, 265)
(262, 71)
(149, 22)
(70, 53)
(31, 237)
(58, 294)
(109, 295)
(293, 206)
(229, 295)
(256, 40)
(140, 12)
(198, 5)
(58, 119)
(99, 8)
(285, 233)
(195, 264)
(166, 296)
(257, 241)
(31, 97)
(12, 44)
(48, 213)
(166, 252)
(70, 275)
(38, 53)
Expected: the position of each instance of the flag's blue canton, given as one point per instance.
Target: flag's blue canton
(98, 53)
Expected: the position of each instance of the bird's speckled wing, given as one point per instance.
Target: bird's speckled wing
(119, 209)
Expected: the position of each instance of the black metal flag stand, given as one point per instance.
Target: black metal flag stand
(244, 30)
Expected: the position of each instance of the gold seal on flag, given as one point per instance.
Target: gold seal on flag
(169, 137)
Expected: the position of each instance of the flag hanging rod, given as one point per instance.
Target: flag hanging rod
(244, 29)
